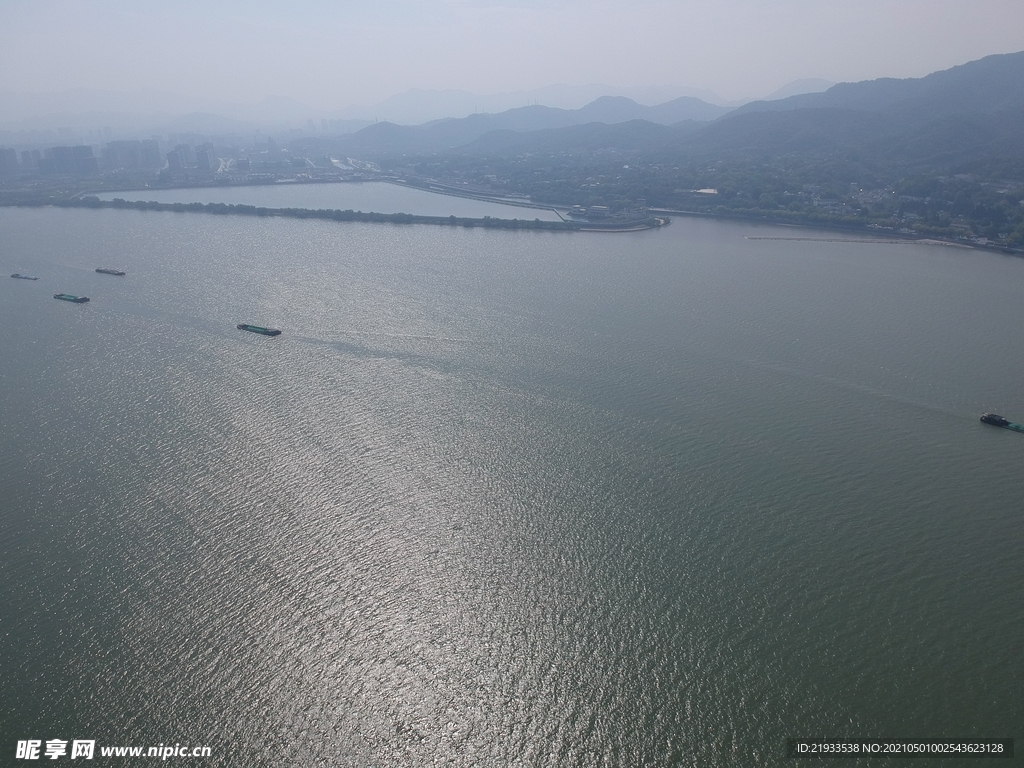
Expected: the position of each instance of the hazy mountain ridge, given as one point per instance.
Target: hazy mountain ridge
(876, 140)
(971, 113)
(147, 111)
(606, 109)
(797, 87)
(991, 84)
(957, 114)
(962, 114)
(418, 106)
(451, 134)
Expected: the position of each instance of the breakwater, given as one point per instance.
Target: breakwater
(489, 222)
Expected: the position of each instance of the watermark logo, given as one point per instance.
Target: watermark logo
(33, 749)
(29, 749)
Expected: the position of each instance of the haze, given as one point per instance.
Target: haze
(331, 55)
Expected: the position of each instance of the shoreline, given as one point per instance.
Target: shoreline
(865, 240)
(487, 222)
(870, 235)
(657, 216)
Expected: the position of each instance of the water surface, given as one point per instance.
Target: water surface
(503, 498)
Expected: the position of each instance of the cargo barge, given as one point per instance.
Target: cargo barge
(105, 271)
(71, 298)
(24, 277)
(998, 421)
(258, 329)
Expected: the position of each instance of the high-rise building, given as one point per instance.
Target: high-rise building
(132, 155)
(150, 154)
(83, 161)
(175, 162)
(206, 158)
(188, 155)
(122, 155)
(8, 162)
(69, 161)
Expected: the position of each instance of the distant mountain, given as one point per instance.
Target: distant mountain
(965, 116)
(612, 109)
(875, 140)
(970, 114)
(957, 115)
(449, 134)
(798, 87)
(148, 111)
(418, 106)
(991, 84)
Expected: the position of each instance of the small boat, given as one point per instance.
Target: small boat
(258, 329)
(999, 421)
(71, 298)
(105, 271)
(24, 277)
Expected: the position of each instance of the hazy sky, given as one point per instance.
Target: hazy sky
(332, 54)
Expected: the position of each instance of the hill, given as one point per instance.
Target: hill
(452, 133)
(954, 121)
(990, 85)
(949, 121)
(941, 155)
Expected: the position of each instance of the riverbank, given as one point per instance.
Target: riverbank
(871, 234)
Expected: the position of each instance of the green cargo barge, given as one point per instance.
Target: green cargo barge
(998, 421)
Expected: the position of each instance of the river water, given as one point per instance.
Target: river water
(504, 498)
